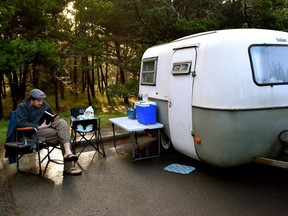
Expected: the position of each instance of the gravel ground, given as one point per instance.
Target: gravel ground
(7, 204)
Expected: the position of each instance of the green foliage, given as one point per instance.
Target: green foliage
(25, 27)
(22, 51)
(18, 52)
(14, 53)
(94, 12)
(47, 54)
(104, 116)
(128, 89)
(6, 15)
(267, 14)
(196, 26)
(3, 129)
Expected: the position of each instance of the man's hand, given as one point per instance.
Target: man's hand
(56, 118)
(43, 125)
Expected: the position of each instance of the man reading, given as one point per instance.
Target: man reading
(28, 114)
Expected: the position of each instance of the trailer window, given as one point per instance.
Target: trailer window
(181, 68)
(269, 64)
(149, 67)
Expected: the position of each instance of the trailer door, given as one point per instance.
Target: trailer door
(180, 100)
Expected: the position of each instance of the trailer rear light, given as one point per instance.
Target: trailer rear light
(197, 140)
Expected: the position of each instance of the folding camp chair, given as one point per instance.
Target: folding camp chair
(90, 132)
(18, 143)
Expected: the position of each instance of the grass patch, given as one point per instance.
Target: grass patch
(105, 116)
(3, 130)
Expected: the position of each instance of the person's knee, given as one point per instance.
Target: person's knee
(62, 123)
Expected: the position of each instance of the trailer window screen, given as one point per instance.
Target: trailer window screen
(149, 68)
(181, 68)
(269, 64)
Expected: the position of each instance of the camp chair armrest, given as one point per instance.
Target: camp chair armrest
(26, 129)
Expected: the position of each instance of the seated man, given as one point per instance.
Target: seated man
(29, 113)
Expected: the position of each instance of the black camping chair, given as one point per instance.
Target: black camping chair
(89, 134)
(18, 143)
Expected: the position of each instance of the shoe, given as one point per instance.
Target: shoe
(70, 158)
(73, 171)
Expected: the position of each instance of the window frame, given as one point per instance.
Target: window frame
(154, 72)
(254, 66)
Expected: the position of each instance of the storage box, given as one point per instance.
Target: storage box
(131, 113)
(146, 113)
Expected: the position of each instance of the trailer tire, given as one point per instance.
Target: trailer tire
(283, 136)
(165, 142)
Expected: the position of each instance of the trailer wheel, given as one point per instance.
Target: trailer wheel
(283, 137)
(165, 142)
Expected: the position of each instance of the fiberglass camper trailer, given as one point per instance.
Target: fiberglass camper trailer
(222, 95)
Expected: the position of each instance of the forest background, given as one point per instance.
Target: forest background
(88, 52)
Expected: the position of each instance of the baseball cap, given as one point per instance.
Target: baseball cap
(37, 93)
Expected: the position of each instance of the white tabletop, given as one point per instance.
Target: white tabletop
(133, 125)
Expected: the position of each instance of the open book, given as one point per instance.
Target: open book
(49, 117)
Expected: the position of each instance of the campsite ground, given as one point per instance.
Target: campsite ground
(114, 185)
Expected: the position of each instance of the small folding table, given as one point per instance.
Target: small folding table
(133, 126)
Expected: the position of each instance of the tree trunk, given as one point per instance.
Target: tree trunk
(57, 107)
(246, 16)
(98, 73)
(83, 63)
(93, 77)
(105, 80)
(73, 75)
(88, 86)
(3, 89)
(62, 85)
(13, 83)
(90, 83)
(75, 71)
(121, 70)
(23, 82)
(35, 77)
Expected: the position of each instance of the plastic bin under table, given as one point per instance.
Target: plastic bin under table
(133, 126)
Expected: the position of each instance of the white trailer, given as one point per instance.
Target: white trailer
(222, 95)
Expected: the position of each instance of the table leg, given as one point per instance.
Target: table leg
(132, 138)
(158, 140)
(114, 138)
